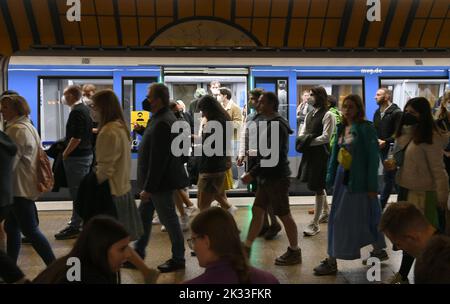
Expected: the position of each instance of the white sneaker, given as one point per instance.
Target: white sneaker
(311, 230)
(163, 228)
(323, 218)
(232, 210)
(155, 220)
(184, 222)
(190, 210)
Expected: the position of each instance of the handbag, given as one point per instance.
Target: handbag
(399, 156)
(344, 158)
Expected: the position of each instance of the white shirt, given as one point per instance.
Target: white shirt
(329, 123)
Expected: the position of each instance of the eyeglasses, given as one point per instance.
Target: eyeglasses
(191, 242)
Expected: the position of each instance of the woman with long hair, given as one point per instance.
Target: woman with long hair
(23, 216)
(100, 250)
(355, 209)
(114, 159)
(221, 251)
(421, 177)
(213, 168)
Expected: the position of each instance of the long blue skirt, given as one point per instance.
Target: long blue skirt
(353, 222)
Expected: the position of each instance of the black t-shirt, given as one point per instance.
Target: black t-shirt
(79, 125)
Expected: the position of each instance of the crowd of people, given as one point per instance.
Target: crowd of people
(341, 154)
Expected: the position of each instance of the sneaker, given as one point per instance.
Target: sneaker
(397, 279)
(325, 268)
(163, 228)
(67, 233)
(184, 222)
(190, 211)
(272, 232)
(311, 230)
(290, 257)
(232, 210)
(381, 255)
(323, 218)
(155, 220)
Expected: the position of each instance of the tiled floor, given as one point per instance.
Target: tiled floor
(263, 252)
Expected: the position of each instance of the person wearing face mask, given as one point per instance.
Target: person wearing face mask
(443, 122)
(386, 120)
(421, 176)
(319, 127)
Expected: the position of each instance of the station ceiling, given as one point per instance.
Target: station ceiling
(273, 24)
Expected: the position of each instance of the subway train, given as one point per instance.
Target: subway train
(42, 79)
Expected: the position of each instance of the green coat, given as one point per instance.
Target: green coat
(365, 158)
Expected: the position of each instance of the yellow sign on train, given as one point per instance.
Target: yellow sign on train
(139, 117)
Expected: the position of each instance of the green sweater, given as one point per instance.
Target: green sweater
(365, 158)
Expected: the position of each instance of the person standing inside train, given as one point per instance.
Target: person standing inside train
(386, 120)
(78, 155)
(234, 111)
(303, 108)
(316, 133)
(214, 87)
(353, 169)
(273, 181)
(159, 174)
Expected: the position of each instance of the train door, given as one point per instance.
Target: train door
(185, 84)
(53, 113)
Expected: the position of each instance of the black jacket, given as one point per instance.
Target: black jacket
(94, 198)
(214, 163)
(158, 169)
(7, 152)
(79, 125)
(281, 169)
(56, 151)
(387, 125)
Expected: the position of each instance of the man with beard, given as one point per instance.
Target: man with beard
(386, 119)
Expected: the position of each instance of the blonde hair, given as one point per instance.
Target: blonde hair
(442, 112)
(107, 103)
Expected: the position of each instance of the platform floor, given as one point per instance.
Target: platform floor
(263, 252)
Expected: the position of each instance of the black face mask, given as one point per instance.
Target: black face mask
(409, 119)
(146, 105)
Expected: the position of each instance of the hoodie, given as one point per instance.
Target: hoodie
(281, 169)
(8, 151)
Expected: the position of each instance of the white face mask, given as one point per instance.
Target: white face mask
(311, 100)
(448, 107)
(215, 91)
(86, 100)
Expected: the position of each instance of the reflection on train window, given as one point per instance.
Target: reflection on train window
(339, 88)
(184, 87)
(53, 114)
(405, 89)
(279, 87)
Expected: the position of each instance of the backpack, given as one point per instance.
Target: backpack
(44, 174)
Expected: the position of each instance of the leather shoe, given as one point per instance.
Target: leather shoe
(171, 265)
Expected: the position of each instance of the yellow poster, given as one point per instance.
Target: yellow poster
(139, 117)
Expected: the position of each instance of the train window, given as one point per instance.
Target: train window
(280, 87)
(339, 88)
(52, 113)
(405, 89)
(134, 92)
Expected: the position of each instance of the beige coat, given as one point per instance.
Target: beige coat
(26, 138)
(114, 158)
(423, 168)
(236, 117)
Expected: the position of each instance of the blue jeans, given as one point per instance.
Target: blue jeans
(23, 218)
(165, 207)
(389, 183)
(76, 169)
